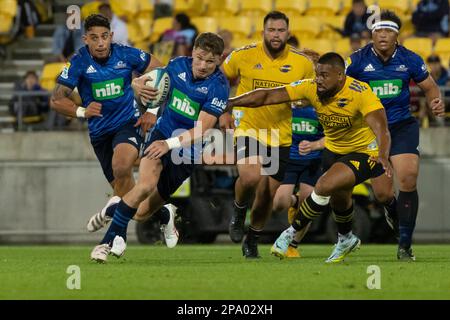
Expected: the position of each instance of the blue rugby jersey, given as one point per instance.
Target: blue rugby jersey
(189, 96)
(305, 126)
(389, 80)
(107, 83)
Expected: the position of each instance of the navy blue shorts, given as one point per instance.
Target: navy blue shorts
(307, 172)
(105, 144)
(404, 137)
(172, 175)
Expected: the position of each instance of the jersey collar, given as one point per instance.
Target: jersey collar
(381, 59)
(103, 61)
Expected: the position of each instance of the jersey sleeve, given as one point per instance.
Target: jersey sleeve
(309, 70)
(350, 66)
(301, 89)
(71, 73)
(418, 68)
(138, 59)
(369, 101)
(230, 65)
(216, 102)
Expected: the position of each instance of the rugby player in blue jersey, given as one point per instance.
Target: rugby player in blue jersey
(304, 167)
(103, 72)
(388, 68)
(198, 96)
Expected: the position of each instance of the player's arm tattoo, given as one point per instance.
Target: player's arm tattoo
(60, 101)
(61, 92)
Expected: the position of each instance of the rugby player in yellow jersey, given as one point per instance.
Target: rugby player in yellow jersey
(357, 144)
(263, 136)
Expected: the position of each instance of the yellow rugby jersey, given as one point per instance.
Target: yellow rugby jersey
(257, 70)
(342, 118)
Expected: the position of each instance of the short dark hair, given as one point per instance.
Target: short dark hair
(31, 73)
(389, 15)
(276, 15)
(104, 6)
(358, 1)
(96, 20)
(433, 58)
(332, 58)
(210, 42)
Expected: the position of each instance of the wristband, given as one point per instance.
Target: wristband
(153, 110)
(173, 143)
(81, 112)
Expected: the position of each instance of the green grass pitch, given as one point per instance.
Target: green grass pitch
(220, 272)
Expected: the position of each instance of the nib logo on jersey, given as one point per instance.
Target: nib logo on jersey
(108, 89)
(304, 126)
(387, 88)
(180, 103)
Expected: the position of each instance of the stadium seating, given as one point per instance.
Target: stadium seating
(342, 46)
(255, 7)
(291, 7)
(192, 8)
(144, 18)
(330, 26)
(323, 7)
(222, 7)
(347, 5)
(422, 46)
(49, 75)
(90, 8)
(407, 29)
(160, 26)
(242, 42)
(442, 49)
(319, 45)
(205, 24)
(126, 9)
(241, 27)
(8, 11)
(400, 7)
(257, 25)
(305, 27)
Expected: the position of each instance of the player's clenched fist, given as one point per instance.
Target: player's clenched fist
(94, 109)
(438, 107)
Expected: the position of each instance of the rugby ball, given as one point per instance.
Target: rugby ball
(160, 80)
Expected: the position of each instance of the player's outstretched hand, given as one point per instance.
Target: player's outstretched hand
(156, 150)
(146, 121)
(94, 109)
(144, 92)
(226, 121)
(438, 107)
(385, 163)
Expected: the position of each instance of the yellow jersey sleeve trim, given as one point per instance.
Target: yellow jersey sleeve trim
(298, 90)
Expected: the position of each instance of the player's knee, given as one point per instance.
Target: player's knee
(324, 187)
(408, 182)
(144, 190)
(383, 195)
(280, 203)
(122, 170)
(249, 181)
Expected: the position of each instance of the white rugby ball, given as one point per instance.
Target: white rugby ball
(160, 80)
